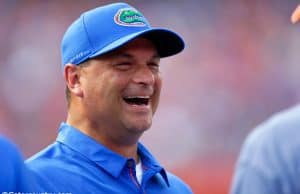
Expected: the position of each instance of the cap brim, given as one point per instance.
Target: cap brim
(167, 43)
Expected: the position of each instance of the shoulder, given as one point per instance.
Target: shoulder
(52, 159)
(178, 184)
(8, 149)
(47, 162)
(11, 163)
(42, 168)
(283, 121)
(280, 128)
(10, 157)
(14, 175)
(271, 150)
(55, 167)
(269, 159)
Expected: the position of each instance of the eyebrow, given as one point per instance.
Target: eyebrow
(129, 56)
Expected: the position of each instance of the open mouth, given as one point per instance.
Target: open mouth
(137, 100)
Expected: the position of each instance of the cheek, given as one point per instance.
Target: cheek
(158, 86)
(158, 83)
(113, 86)
(95, 88)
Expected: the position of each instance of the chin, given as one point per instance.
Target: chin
(137, 123)
(143, 127)
(140, 127)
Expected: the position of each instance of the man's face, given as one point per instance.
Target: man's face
(121, 89)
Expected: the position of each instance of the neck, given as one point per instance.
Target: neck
(123, 144)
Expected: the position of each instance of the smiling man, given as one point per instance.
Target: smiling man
(110, 61)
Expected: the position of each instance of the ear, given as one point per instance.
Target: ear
(72, 78)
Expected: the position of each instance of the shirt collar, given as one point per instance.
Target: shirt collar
(149, 161)
(110, 161)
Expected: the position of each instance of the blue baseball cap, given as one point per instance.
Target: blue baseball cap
(109, 27)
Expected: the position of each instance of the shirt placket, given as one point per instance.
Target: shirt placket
(132, 174)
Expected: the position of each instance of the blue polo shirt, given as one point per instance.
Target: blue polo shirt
(77, 164)
(14, 176)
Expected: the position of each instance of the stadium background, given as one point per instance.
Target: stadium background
(241, 64)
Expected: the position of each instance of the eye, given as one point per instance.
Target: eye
(154, 66)
(123, 66)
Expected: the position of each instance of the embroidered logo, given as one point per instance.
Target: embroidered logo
(130, 17)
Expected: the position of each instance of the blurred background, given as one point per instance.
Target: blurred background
(241, 65)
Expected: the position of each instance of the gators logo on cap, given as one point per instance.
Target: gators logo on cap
(130, 17)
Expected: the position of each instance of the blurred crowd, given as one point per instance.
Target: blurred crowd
(239, 67)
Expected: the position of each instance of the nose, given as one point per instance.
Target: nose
(144, 76)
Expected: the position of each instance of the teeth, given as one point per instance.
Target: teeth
(137, 100)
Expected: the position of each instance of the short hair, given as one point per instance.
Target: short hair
(68, 96)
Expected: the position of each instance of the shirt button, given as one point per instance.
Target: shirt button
(130, 163)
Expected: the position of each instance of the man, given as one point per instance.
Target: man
(270, 158)
(14, 177)
(110, 61)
